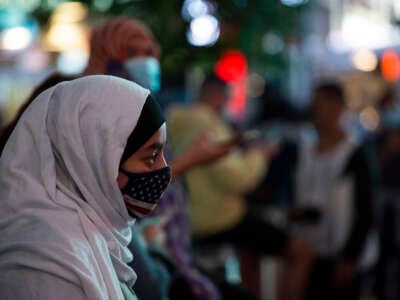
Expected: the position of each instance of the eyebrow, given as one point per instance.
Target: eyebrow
(155, 146)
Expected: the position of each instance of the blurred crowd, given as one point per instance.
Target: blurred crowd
(294, 192)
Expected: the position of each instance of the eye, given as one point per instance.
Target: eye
(152, 158)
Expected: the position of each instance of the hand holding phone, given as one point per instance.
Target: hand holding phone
(244, 138)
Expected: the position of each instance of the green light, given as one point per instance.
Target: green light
(102, 5)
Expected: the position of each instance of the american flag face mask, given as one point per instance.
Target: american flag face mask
(143, 190)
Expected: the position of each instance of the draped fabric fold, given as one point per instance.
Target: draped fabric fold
(61, 211)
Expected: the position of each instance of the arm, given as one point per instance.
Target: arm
(364, 190)
(201, 151)
(360, 166)
(279, 181)
(239, 172)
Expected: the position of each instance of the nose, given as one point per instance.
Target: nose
(163, 162)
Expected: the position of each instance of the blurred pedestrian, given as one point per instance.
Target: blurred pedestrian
(218, 211)
(388, 271)
(335, 181)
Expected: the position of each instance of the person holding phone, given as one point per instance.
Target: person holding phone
(218, 211)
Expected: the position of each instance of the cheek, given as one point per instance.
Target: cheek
(136, 165)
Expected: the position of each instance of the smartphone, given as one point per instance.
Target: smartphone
(245, 137)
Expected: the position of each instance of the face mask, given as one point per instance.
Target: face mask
(143, 190)
(145, 71)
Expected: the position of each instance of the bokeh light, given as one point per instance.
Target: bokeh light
(390, 65)
(72, 62)
(102, 5)
(69, 12)
(369, 118)
(63, 37)
(203, 31)
(293, 3)
(364, 60)
(232, 66)
(272, 43)
(16, 38)
(192, 9)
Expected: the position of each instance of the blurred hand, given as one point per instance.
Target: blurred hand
(344, 273)
(268, 149)
(152, 232)
(203, 150)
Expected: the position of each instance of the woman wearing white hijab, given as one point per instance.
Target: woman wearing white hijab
(64, 224)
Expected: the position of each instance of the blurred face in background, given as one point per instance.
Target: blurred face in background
(216, 96)
(126, 48)
(142, 61)
(141, 46)
(327, 111)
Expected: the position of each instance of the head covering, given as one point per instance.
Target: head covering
(110, 42)
(50, 81)
(150, 120)
(61, 210)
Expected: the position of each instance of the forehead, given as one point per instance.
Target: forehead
(140, 44)
(320, 94)
(160, 136)
(139, 40)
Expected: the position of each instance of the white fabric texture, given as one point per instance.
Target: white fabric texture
(61, 211)
(319, 184)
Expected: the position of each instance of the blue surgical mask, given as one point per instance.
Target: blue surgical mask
(145, 71)
(143, 190)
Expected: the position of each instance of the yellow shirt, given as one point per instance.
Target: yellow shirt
(215, 190)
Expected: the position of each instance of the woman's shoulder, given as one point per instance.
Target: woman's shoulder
(38, 239)
(33, 284)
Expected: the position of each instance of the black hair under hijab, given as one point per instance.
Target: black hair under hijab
(150, 120)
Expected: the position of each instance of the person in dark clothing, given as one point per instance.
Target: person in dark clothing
(388, 269)
(335, 178)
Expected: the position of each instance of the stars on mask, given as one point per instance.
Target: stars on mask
(147, 188)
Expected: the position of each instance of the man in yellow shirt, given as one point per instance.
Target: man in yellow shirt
(217, 207)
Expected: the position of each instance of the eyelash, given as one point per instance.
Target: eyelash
(153, 158)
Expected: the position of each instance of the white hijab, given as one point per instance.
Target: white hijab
(61, 211)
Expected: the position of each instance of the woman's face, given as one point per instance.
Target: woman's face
(149, 157)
